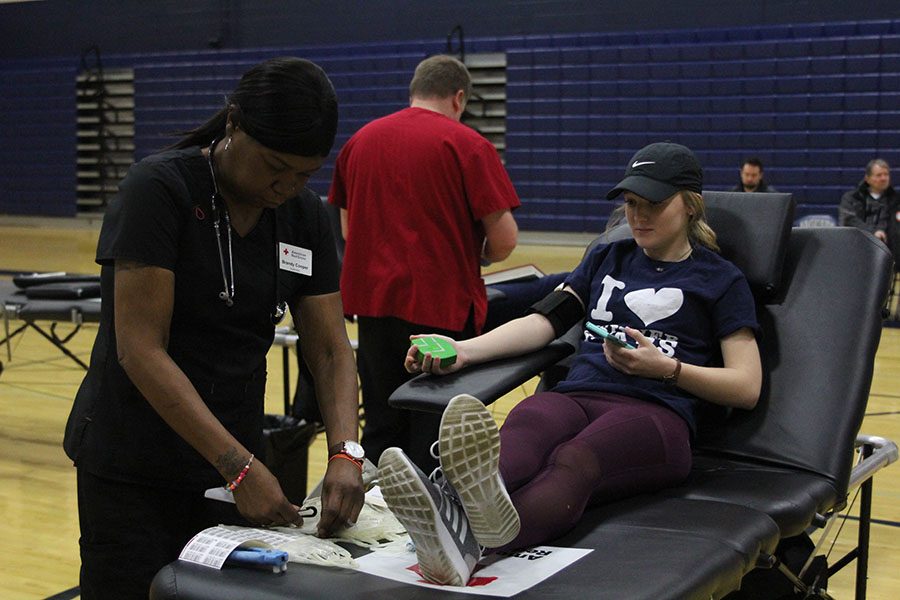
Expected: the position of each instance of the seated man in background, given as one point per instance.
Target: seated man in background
(752, 177)
(868, 206)
(874, 206)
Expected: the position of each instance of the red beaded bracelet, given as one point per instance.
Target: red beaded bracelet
(237, 481)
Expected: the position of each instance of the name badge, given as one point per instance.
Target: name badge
(295, 259)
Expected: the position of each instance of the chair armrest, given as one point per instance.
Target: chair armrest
(494, 294)
(884, 452)
(487, 382)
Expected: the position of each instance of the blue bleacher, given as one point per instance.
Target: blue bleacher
(793, 48)
(826, 102)
(854, 102)
(37, 117)
(799, 111)
(890, 63)
(828, 47)
(862, 45)
(827, 65)
(760, 50)
(890, 43)
(815, 101)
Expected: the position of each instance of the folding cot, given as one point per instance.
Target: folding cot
(66, 299)
(760, 477)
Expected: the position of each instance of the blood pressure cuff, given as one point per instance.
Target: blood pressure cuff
(562, 309)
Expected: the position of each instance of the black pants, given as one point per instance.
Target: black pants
(383, 342)
(130, 531)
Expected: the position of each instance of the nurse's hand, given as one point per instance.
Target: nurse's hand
(260, 500)
(342, 497)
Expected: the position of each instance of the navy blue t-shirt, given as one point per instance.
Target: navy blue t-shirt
(685, 308)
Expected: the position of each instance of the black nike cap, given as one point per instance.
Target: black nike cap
(659, 170)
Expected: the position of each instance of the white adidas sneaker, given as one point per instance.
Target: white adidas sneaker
(445, 547)
(469, 448)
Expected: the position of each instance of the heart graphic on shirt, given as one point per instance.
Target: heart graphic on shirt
(652, 306)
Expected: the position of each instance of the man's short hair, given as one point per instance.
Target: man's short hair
(876, 162)
(440, 76)
(753, 162)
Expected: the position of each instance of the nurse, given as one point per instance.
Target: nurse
(201, 250)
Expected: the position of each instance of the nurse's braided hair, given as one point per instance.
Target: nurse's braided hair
(286, 104)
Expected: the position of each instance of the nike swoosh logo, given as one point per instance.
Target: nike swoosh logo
(646, 162)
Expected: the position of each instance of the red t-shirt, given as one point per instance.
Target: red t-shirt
(416, 185)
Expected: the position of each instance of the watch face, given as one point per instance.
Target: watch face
(354, 450)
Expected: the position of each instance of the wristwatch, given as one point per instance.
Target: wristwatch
(350, 448)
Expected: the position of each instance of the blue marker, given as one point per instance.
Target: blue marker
(262, 558)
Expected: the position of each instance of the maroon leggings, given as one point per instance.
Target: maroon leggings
(560, 453)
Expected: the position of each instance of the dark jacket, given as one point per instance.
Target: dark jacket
(859, 209)
(762, 187)
(893, 226)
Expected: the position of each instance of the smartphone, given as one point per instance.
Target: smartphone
(439, 348)
(608, 336)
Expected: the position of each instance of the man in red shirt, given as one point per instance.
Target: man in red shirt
(424, 200)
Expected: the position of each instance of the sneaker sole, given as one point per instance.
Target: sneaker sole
(409, 500)
(470, 457)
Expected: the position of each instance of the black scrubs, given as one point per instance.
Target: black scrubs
(141, 485)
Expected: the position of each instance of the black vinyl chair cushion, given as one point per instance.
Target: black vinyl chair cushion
(819, 337)
(645, 548)
(744, 529)
(487, 382)
(791, 498)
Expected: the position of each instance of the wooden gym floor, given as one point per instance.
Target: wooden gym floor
(37, 481)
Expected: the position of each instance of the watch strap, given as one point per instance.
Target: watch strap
(339, 448)
(672, 378)
(345, 456)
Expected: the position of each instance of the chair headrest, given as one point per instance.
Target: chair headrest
(752, 230)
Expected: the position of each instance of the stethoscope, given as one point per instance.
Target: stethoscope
(227, 293)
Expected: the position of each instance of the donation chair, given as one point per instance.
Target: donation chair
(791, 458)
(759, 477)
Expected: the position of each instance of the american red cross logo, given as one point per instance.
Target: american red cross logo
(473, 581)
(285, 251)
